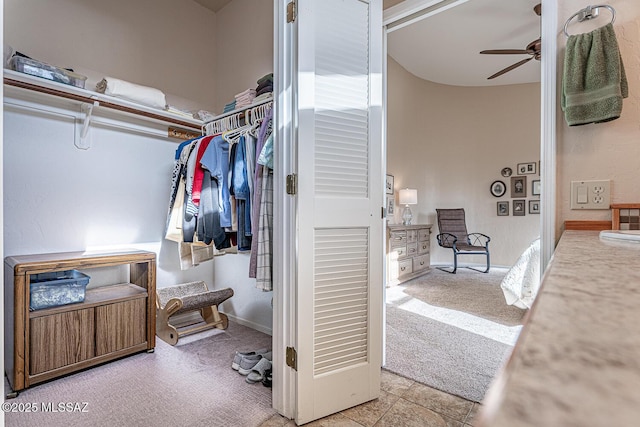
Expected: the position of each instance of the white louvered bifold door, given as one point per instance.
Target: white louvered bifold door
(340, 199)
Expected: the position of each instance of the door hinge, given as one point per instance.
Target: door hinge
(384, 212)
(292, 358)
(292, 184)
(291, 12)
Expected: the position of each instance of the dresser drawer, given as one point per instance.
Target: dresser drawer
(412, 236)
(412, 249)
(405, 267)
(420, 262)
(423, 234)
(397, 238)
(399, 252)
(423, 247)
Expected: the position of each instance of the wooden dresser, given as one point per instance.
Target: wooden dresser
(113, 321)
(408, 252)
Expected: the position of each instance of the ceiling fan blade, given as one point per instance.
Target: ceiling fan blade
(509, 68)
(505, 51)
(538, 9)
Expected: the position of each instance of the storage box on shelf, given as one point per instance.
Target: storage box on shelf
(408, 252)
(112, 321)
(47, 71)
(56, 288)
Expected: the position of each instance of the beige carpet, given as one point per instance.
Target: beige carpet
(451, 331)
(191, 384)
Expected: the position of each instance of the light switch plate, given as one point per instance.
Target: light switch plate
(598, 194)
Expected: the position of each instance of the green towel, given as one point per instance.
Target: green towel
(594, 81)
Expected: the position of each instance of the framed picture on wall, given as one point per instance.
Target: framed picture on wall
(526, 168)
(389, 184)
(503, 208)
(498, 188)
(535, 187)
(518, 186)
(534, 206)
(391, 208)
(519, 207)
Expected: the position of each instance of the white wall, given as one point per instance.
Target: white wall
(166, 44)
(451, 143)
(607, 150)
(245, 47)
(58, 198)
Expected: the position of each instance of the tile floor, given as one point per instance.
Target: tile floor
(402, 402)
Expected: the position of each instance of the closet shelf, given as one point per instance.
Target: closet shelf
(239, 110)
(37, 84)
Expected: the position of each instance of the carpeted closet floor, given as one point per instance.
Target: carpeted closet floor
(191, 384)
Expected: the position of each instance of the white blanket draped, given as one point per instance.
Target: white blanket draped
(521, 283)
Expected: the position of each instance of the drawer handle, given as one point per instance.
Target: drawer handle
(424, 246)
(398, 238)
(402, 268)
(421, 262)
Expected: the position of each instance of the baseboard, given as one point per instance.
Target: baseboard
(481, 266)
(250, 324)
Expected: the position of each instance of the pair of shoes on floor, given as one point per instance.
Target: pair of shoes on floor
(249, 362)
(266, 381)
(237, 358)
(259, 371)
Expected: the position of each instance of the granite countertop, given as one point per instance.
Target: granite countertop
(577, 361)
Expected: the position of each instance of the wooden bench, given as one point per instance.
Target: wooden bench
(184, 298)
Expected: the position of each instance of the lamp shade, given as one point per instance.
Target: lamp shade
(408, 196)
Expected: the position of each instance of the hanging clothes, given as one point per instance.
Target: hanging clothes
(216, 160)
(261, 261)
(240, 184)
(221, 182)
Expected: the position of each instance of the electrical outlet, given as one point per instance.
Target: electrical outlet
(590, 194)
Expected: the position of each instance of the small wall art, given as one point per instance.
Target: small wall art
(535, 187)
(534, 206)
(498, 188)
(519, 207)
(391, 207)
(503, 208)
(506, 172)
(518, 186)
(526, 168)
(389, 184)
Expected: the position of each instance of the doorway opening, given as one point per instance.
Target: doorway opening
(450, 136)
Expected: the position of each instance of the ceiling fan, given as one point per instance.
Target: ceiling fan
(532, 49)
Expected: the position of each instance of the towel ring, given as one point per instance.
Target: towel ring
(589, 12)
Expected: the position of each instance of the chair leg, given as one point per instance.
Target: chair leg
(455, 265)
(488, 263)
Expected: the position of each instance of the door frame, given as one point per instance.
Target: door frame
(284, 220)
(284, 386)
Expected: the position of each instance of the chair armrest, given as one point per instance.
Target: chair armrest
(446, 240)
(479, 239)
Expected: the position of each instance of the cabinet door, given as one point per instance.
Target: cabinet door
(60, 339)
(120, 325)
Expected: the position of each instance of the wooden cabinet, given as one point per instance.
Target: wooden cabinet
(408, 248)
(113, 321)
